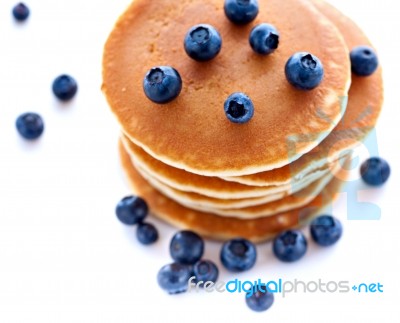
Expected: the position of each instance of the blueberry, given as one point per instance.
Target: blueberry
(290, 246)
(202, 42)
(375, 171)
(264, 39)
(326, 230)
(20, 12)
(174, 278)
(205, 270)
(239, 108)
(30, 125)
(162, 84)
(65, 87)
(259, 299)
(131, 210)
(186, 247)
(364, 61)
(238, 255)
(241, 12)
(146, 233)
(304, 71)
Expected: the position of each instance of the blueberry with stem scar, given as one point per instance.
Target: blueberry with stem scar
(162, 84)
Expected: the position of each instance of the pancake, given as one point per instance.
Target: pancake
(363, 109)
(223, 228)
(192, 132)
(211, 186)
(243, 208)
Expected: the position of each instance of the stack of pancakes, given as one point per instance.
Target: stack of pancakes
(195, 168)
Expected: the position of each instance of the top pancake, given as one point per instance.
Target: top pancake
(192, 132)
(363, 109)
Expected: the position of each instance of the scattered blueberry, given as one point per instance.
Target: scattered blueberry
(290, 246)
(364, 61)
(162, 84)
(202, 42)
(264, 39)
(326, 230)
(241, 11)
(239, 108)
(238, 255)
(174, 278)
(304, 71)
(375, 171)
(186, 247)
(205, 270)
(146, 233)
(20, 12)
(65, 87)
(30, 125)
(260, 299)
(131, 210)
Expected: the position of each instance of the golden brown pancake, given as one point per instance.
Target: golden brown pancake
(363, 109)
(212, 186)
(221, 228)
(192, 132)
(264, 228)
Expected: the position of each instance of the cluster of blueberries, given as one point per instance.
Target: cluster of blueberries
(30, 125)
(203, 42)
(239, 254)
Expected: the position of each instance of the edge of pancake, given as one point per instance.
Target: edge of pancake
(240, 191)
(243, 209)
(223, 228)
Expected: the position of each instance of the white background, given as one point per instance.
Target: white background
(64, 257)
